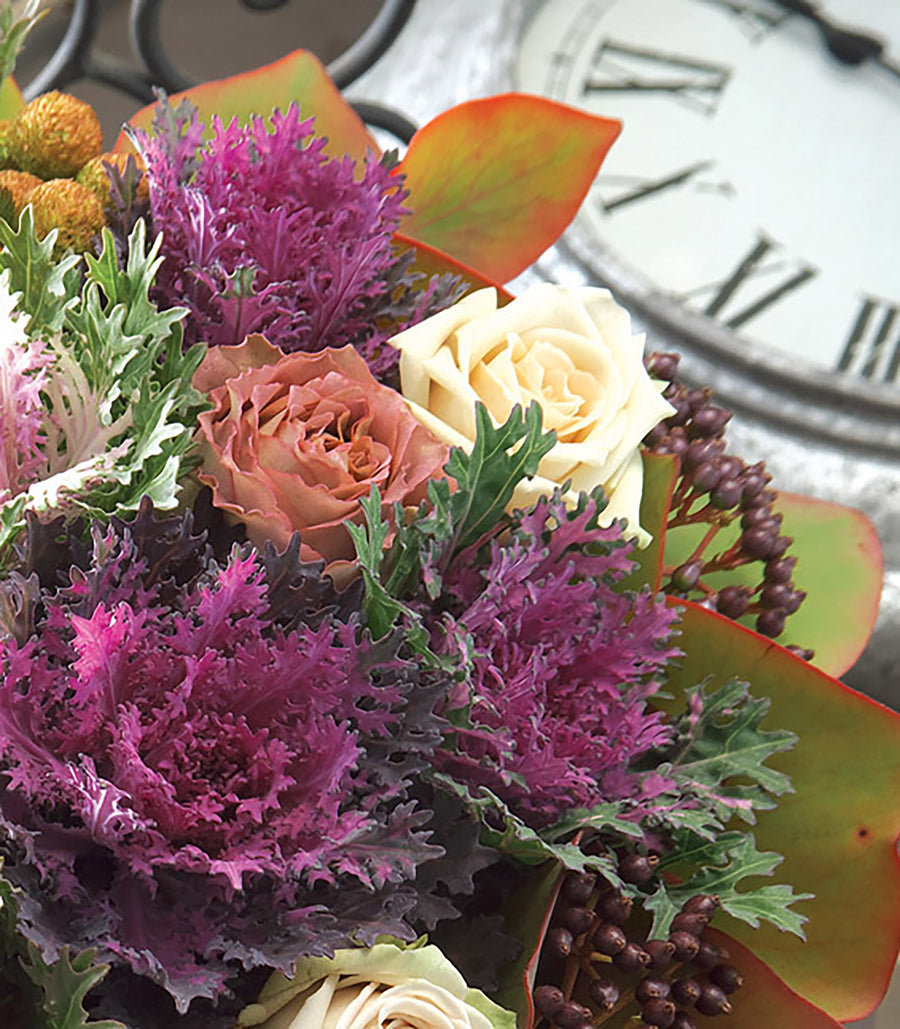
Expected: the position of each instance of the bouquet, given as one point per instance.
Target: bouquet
(377, 648)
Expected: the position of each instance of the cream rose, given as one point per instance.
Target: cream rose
(381, 987)
(572, 351)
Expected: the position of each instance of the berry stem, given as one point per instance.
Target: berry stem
(573, 966)
(708, 537)
(731, 558)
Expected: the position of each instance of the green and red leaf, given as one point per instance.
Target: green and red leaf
(494, 182)
(839, 566)
(528, 916)
(764, 999)
(301, 77)
(660, 478)
(431, 261)
(838, 831)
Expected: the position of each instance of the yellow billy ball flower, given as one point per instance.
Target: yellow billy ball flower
(55, 135)
(95, 176)
(69, 207)
(20, 186)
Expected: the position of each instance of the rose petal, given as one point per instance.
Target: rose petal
(569, 350)
(295, 442)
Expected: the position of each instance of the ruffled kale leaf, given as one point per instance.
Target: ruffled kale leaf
(299, 594)
(553, 710)
(505, 832)
(35, 994)
(191, 786)
(19, 997)
(264, 233)
(451, 519)
(442, 883)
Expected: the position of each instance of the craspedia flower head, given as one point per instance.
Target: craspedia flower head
(55, 135)
(69, 207)
(7, 135)
(20, 185)
(95, 176)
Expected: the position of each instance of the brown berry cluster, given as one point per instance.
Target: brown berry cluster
(597, 962)
(716, 489)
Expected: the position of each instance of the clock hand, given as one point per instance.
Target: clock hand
(848, 46)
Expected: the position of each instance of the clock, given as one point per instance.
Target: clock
(753, 186)
(747, 216)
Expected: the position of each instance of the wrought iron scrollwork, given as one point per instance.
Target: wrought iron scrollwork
(77, 57)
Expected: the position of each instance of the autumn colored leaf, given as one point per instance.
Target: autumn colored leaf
(838, 556)
(838, 832)
(494, 182)
(528, 916)
(431, 261)
(300, 76)
(763, 1000)
(839, 565)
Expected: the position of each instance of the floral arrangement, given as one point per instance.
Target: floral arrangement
(380, 649)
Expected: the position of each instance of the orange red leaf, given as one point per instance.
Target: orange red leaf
(494, 182)
(299, 76)
(838, 832)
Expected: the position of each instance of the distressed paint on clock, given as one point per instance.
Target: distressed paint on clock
(755, 179)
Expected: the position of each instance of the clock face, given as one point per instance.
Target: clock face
(756, 178)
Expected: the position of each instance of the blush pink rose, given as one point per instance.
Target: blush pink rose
(294, 443)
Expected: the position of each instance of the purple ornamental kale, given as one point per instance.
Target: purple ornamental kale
(187, 783)
(263, 233)
(562, 668)
(23, 374)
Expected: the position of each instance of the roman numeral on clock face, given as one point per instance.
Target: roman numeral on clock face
(622, 68)
(754, 19)
(760, 279)
(637, 188)
(872, 348)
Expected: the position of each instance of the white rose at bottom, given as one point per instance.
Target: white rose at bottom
(571, 351)
(382, 987)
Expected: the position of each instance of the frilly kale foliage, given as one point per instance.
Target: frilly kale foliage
(558, 741)
(96, 402)
(264, 233)
(554, 710)
(194, 781)
(554, 666)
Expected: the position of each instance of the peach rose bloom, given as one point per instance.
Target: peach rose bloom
(294, 443)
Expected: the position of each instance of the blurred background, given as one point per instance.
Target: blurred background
(204, 39)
